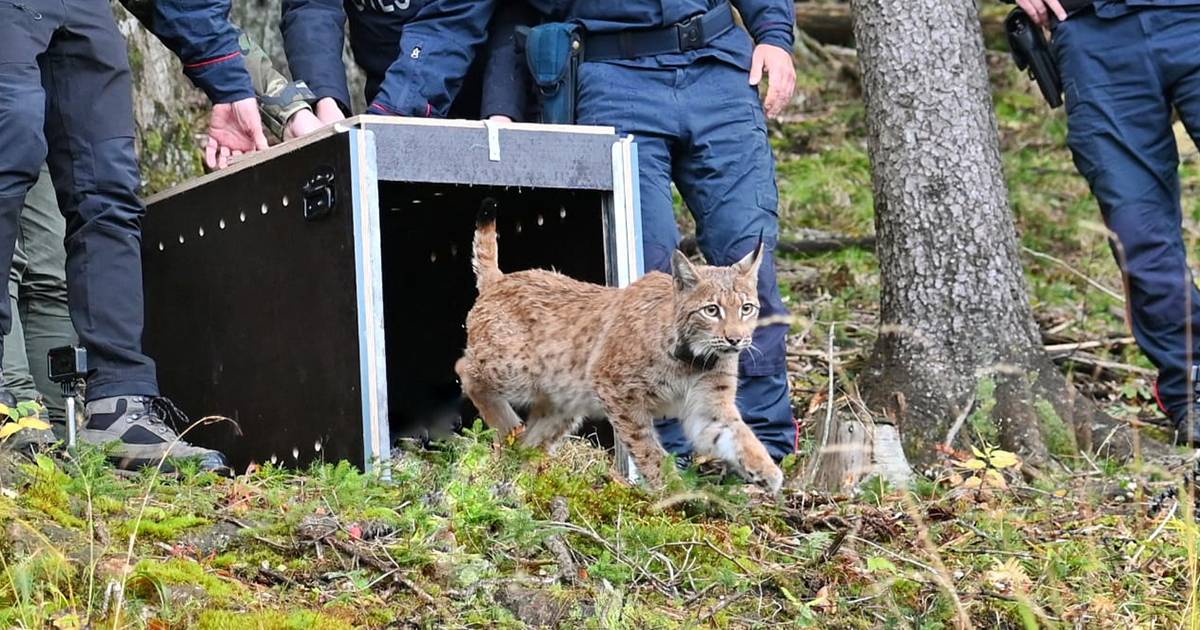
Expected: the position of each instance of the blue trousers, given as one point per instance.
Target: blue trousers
(702, 127)
(66, 99)
(1122, 77)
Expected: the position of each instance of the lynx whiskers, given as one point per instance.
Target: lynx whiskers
(665, 346)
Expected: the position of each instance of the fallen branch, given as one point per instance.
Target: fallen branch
(567, 571)
(1068, 348)
(1094, 361)
(376, 563)
(1086, 278)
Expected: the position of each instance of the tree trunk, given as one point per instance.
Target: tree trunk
(831, 23)
(959, 356)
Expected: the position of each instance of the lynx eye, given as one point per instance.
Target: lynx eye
(712, 310)
(748, 309)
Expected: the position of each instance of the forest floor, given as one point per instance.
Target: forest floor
(470, 535)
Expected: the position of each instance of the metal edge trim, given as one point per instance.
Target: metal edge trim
(372, 352)
(365, 120)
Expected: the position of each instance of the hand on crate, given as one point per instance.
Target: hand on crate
(301, 124)
(235, 128)
(328, 112)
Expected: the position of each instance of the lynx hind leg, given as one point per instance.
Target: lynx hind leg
(728, 438)
(546, 430)
(492, 407)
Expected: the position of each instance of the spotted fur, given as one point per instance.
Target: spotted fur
(665, 346)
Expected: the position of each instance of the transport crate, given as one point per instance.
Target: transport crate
(316, 293)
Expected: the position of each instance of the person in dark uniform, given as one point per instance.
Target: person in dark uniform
(681, 76)
(1127, 67)
(313, 39)
(67, 102)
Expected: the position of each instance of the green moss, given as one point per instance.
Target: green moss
(1059, 438)
(269, 620)
(161, 526)
(829, 190)
(150, 575)
(980, 421)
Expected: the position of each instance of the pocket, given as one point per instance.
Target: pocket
(767, 190)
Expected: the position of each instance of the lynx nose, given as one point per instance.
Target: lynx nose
(734, 341)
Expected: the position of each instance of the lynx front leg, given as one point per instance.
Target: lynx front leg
(724, 435)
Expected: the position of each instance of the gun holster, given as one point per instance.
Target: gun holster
(553, 53)
(1031, 52)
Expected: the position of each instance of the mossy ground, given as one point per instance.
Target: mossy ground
(469, 528)
(465, 535)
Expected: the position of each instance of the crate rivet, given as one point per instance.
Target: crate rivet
(200, 231)
(295, 453)
(518, 227)
(221, 224)
(562, 212)
(285, 201)
(540, 220)
(274, 460)
(317, 446)
(242, 216)
(454, 250)
(161, 247)
(264, 208)
(181, 239)
(432, 257)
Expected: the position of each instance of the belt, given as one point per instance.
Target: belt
(695, 32)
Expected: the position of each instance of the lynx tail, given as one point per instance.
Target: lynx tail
(486, 261)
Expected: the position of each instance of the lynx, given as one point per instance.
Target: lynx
(665, 346)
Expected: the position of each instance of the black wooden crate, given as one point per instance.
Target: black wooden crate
(316, 293)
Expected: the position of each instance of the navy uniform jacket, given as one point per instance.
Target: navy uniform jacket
(1114, 8)
(313, 39)
(436, 46)
(199, 33)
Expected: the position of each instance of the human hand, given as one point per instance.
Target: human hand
(328, 112)
(234, 128)
(500, 118)
(301, 124)
(1039, 10)
(778, 65)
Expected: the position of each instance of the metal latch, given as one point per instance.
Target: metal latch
(319, 196)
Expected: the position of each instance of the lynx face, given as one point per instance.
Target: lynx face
(716, 308)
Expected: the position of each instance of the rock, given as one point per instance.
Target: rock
(535, 607)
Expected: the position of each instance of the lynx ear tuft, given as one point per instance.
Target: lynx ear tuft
(749, 265)
(683, 271)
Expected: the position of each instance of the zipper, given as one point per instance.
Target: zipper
(33, 13)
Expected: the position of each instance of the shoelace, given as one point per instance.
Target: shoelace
(162, 416)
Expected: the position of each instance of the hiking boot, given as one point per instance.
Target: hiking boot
(28, 439)
(138, 426)
(1187, 429)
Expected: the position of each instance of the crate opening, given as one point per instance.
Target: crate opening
(426, 232)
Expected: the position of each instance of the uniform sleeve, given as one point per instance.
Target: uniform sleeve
(313, 38)
(769, 21)
(436, 50)
(278, 98)
(506, 82)
(200, 34)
